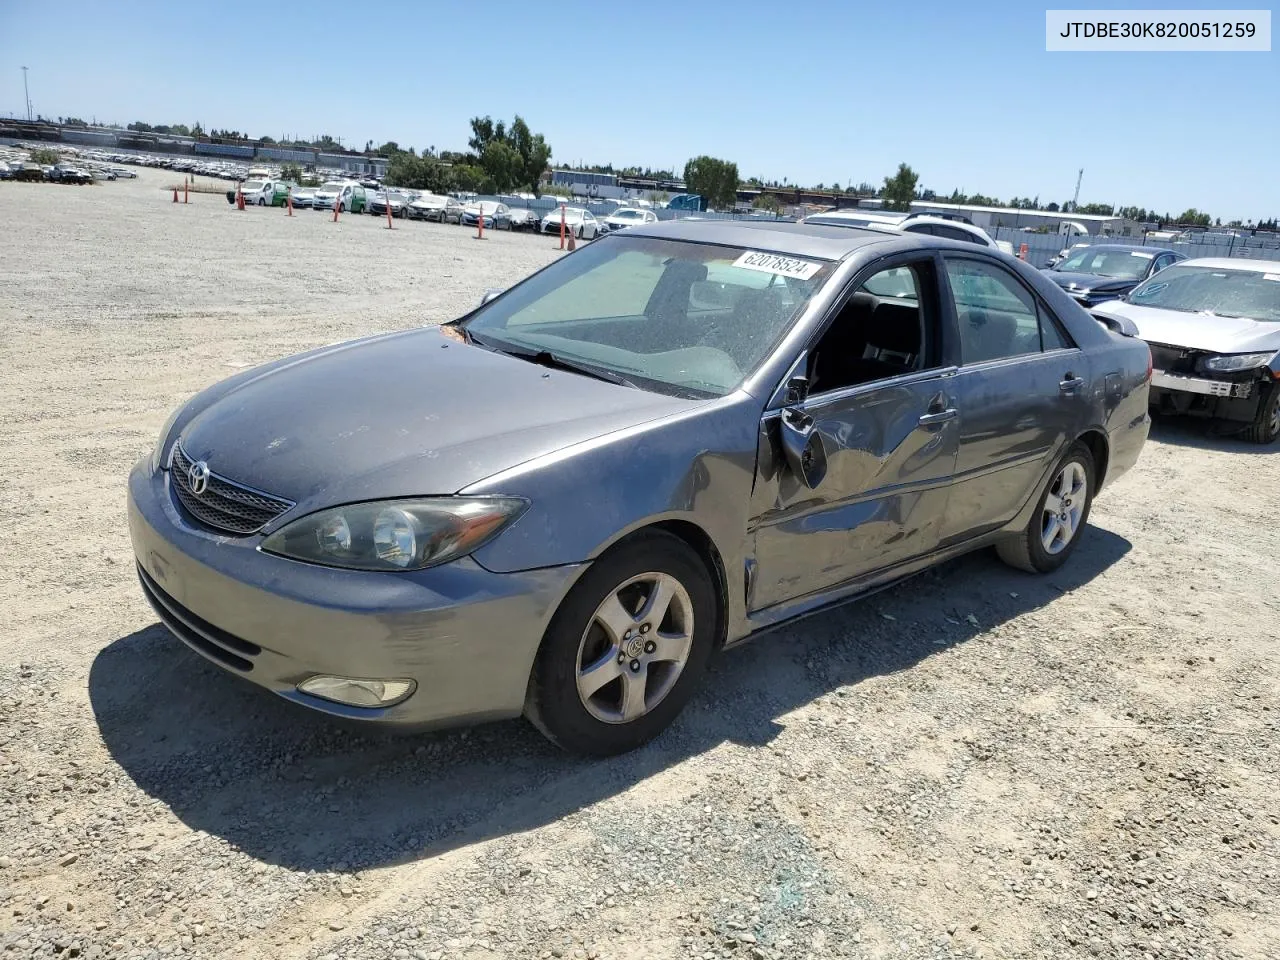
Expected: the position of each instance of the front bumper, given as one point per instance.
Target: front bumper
(1234, 389)
(466, 636)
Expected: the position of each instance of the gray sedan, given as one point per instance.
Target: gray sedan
(564, 503)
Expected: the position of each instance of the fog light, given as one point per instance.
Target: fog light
(358, 693)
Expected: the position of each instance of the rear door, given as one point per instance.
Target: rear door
(881, 426)
(1022, 389)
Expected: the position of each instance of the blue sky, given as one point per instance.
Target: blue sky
(816, 91)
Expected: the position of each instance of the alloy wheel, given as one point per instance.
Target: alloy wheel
(1064, 507)
(635, 647)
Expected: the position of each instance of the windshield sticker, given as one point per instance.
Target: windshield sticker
(1271, 276)
(1139, 253)
(777, 265)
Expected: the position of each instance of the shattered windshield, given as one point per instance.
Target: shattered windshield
(686, 318)
(1224, 293)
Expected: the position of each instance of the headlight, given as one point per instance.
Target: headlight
(395, 534)
(157, 455)
(1232, 362)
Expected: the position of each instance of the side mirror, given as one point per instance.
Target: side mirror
(802, 446)
(797, 390)
(491, 294)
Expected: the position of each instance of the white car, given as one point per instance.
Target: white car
(348, 194)
(625, 217)
(581, 223)
(1213, 326)
(913, 223)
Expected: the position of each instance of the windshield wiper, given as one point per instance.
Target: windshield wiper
(545, 358)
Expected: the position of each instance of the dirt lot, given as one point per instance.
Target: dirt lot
(976, 763)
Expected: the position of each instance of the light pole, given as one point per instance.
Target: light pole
(26, 93)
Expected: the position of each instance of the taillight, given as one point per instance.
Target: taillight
(1150, 364)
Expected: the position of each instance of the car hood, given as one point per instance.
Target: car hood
(403, 415)
(1089, 281)
(1197, 331)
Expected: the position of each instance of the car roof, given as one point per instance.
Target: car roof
(779, 236)
(1128, 248)
(1234, 263)
(868, 215)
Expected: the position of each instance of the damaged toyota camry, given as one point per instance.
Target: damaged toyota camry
(564, 503)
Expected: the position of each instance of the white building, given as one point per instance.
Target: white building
(1014, 218)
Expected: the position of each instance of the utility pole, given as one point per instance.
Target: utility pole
(26, 93)
(1075, 201)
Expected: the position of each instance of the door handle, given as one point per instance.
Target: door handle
(1070, 384)
(939, 416)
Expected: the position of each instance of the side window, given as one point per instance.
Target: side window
(1051, 336)
(920, 228)
(884, 329)
(954, 233)
(996, 315)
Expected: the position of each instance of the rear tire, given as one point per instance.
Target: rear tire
(589, 676)
(1266, 422)
(1059, 520)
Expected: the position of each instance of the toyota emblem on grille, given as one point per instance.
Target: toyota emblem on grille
(198, 476)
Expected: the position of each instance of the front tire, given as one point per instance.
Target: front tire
(1266, 422)
(1061, 513)
(262, 201)
(626, 649)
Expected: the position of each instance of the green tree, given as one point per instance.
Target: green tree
(502, 165)
(767, 202)
(715, 180)
(1097, 209)
(531, 148)
(900, 189)
(534, 153)
(419, 173)
(1193, 217)
(292, 172)
(45, 156)
(390, 149)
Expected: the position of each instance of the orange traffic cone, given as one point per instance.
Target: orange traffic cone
(239, 199)
(288, 202)
(389, 226)
(572, 244)
(175, 194)
(562, 226)
(186, 188)
(335, 209)
(1022, 251)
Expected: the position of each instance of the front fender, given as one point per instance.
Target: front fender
(696, 466)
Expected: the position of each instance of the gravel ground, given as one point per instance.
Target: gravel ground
(976, 763)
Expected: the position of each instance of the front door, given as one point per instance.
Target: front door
(1019, 391)
(882, 429)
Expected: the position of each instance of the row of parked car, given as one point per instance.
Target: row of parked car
(354, 197)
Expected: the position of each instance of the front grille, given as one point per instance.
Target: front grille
(224, 505)
(1173, 359)
(202, 636)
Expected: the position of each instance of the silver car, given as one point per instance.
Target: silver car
(564, 503)
(1213, 325)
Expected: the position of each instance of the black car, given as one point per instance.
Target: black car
(1106, 271)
